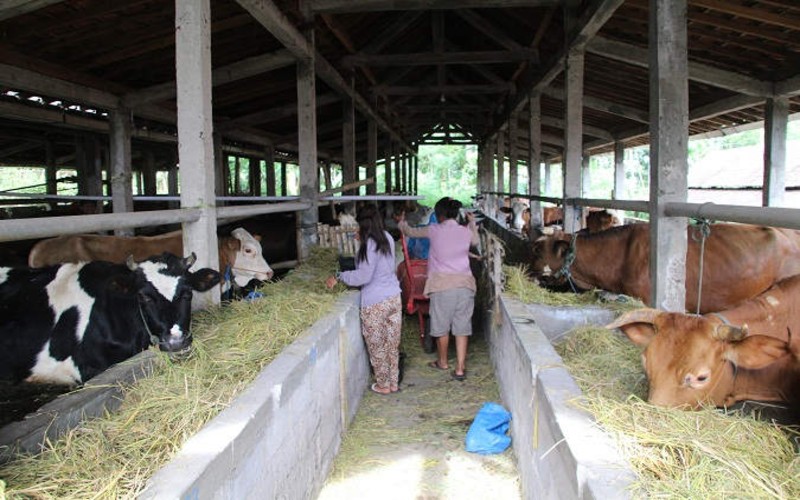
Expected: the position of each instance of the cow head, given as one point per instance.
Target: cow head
(163, 288)
(691, 361)
(518, 216)
(247, 260)
(548, 255)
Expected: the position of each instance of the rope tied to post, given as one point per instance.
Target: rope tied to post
(701, 233)
(569, 259)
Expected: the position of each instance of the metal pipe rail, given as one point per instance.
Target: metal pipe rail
(79, 197)
(766, 216)
(372, 197)
(247, 210)
(631, 205)
(548, 199)
(23, 229)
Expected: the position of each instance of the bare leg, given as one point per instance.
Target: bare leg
(442, 344)
(461, 354)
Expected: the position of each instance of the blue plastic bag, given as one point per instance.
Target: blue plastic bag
(487, 434)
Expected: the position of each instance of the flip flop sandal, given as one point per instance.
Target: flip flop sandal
(461, 377)
(435, 365)
(374, 388)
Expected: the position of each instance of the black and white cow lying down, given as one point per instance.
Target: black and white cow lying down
(65, 324)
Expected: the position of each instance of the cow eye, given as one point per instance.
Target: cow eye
(248, 250)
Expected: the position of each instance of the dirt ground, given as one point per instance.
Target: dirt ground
(410, 445)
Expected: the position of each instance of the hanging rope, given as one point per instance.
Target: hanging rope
(702, 232)
(569, 258)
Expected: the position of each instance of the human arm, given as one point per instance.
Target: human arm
(473, 228)
(364, 271)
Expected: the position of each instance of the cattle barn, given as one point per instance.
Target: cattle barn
(150, 116)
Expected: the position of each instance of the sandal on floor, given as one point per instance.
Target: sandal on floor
(461, 377)
(435, 365)
(374, 388)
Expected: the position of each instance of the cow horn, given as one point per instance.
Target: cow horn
(645, 315)
(190, 260)
(730, 333)
(132, 265)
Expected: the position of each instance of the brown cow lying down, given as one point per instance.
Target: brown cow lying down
(239, 253)
(741, 261)
(744, 353)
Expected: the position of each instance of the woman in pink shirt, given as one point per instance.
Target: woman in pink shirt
(450, 284)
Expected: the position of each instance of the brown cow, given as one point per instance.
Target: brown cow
(600, 220)
(741, 261)
(744, 353)
(240, 253)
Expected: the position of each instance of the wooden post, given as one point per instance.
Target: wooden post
(195, 133)
(776, 121)
(669, 138)
(398, 159)
(52, 169)
(573, 138)
(149, 173)
(307, 140)
(172, 178)
(619, 171)
(586, 176)
(255, 176)
(501, 161)
(120, 147)
(372, 154)
(513, 157)
(548, 176)
(535, 159)
(388, 166)
(269, 160)
(221, 178)
(348, 143)
(284, 188)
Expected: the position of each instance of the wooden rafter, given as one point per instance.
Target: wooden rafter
(14, 8)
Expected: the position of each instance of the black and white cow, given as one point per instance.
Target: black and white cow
(65, 324)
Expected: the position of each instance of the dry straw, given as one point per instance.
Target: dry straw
(677, 454)
(113, 457)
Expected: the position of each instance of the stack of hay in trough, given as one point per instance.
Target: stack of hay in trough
(113, 457)
(676, 453)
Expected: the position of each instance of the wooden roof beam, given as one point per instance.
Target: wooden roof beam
(271, 18)
(738, 10)
(443, 89)
(433, 58)
(486, 27)
(638, 56)
(239, 70)
(629, 112)
(343, 6)
(593, 17)
(788, 88)
(14, 8)
(384, 38)
(272, 114)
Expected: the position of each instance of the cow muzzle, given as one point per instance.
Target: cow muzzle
(177, 343)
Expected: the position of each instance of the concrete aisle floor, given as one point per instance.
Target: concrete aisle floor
(410, 445)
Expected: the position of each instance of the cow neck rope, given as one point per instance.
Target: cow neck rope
(153, 339)
(569, 259)
(704, 231)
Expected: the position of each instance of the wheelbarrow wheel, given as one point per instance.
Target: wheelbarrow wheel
(428, 342)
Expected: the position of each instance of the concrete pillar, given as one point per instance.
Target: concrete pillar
(775, 126)
(573, 138)
(669, 138)
(548, 176)
(619, 171)
(535, 159)
(513, 155)
(120, 148)
(388, 166)
(586, 176)
(221, 175)
(269, 160)
(195, 133)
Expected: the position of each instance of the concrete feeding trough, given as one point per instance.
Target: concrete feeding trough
(560, 451)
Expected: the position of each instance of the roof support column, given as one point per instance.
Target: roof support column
(619, 171)
(491, 151)
(501, 161)
(52, 168)
(573, 137)
(307, 139)
(534, 160)
(348, 144)
(775, 126)
(669, 133)
(548, 175)
(269, 161)
(372, 155)
(513, 156)
(284, 187)
(387, 165)
(195, 133)
(149, 173)
(120, 152)
(416, 169)
(397, 167)
(221, 178)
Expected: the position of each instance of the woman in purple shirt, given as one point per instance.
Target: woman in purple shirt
(381, 308)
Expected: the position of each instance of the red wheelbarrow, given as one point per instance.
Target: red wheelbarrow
(412, 274)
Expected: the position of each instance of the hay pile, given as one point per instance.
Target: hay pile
(520, 286)
(113, 457)
(677, 454)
